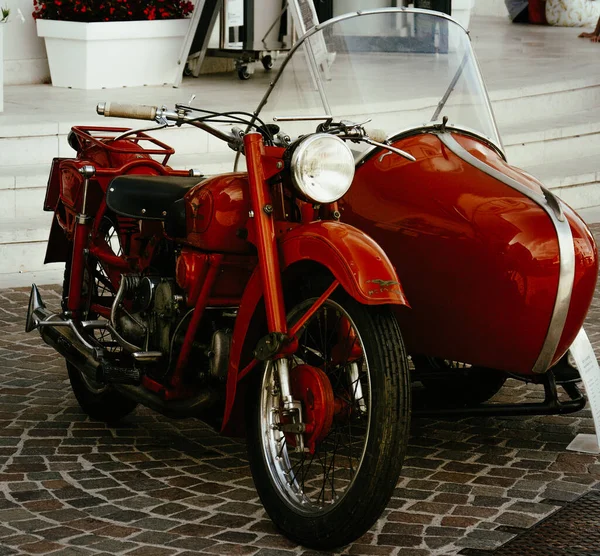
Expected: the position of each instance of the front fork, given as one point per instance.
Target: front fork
(270, 273)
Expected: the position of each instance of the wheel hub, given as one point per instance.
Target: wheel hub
(311, 386)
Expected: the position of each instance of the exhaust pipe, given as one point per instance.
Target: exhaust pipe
(62, 335)
(65, 338)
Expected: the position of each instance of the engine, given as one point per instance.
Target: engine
(152, 315)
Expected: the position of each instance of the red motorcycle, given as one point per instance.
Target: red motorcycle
(244, 300)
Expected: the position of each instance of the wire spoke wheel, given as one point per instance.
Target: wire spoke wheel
(316, 479)
(98, 288)
(98, 399)
(350, 375)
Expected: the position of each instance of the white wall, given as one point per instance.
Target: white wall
(24, 53)
(490, 7)
(344, 6)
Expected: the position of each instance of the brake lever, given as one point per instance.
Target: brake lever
(359, 135)
(394, 150)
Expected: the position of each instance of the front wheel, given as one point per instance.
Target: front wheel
(350, 374)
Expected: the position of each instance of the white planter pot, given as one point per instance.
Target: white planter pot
(1, 67)
(113, 53)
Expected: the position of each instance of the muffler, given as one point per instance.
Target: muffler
(66, 339)
(62, 335)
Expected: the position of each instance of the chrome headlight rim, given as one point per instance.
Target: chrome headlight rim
(302, 150)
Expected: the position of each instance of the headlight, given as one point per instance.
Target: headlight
(322, 168)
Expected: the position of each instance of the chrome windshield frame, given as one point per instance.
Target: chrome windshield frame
(432, 127)
(351, 15)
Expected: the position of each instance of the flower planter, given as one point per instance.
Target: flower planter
(113, 53)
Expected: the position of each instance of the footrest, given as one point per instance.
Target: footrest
(108, 372)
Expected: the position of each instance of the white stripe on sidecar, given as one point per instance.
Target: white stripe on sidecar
(550, 204)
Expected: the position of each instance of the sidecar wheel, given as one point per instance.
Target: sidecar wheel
(458, 385)
(351, 355)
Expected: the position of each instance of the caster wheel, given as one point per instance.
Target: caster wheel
(243, 73)
(267, 62)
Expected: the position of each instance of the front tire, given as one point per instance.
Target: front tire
(333, 495)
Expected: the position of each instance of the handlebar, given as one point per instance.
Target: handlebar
(162, 115)
(134, 111)
(378, 135)
(354, 132)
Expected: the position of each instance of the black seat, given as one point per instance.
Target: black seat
(147, 197)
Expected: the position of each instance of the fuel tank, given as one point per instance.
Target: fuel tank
(216, 212)
(479, 260)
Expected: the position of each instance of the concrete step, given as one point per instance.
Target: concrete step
(545, 140)
(24, 226)
(576, 181)
(22, 250)
(34, 142)
(496, 8)
(517, 105)
(23, 188)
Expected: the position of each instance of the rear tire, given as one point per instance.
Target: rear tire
(98, 400)
(331, 497)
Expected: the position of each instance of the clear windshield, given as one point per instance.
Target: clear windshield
(400, 69)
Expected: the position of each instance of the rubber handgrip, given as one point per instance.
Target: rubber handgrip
(134, 111)
(378, 135)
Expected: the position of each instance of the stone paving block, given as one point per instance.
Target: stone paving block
(152, 484)
(41, 547)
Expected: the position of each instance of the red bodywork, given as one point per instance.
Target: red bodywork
(478, 261)
(238, 243)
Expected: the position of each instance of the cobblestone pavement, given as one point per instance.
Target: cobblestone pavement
(156, 487)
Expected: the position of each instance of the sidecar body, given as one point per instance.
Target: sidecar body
(498, 271)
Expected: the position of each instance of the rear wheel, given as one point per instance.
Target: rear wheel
(98, 400)
(350, 374)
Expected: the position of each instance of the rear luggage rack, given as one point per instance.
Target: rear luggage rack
(104, 136)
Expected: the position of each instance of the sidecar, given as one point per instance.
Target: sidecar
(498, 271)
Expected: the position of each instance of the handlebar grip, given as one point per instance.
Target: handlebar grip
(375, 134)
(134, 111)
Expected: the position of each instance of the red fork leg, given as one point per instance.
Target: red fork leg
(268, 259)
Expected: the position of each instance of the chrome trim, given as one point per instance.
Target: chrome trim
(433, 128)
(300, 118)
(566, 248)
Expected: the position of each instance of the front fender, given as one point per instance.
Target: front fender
(354, 259)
